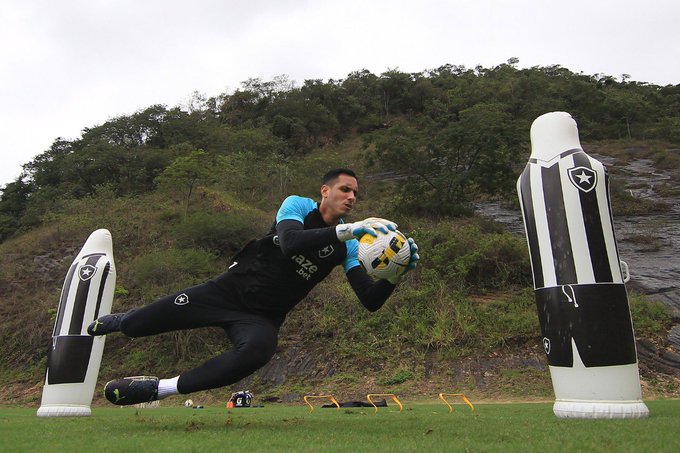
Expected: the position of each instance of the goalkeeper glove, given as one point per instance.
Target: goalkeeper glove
(413, 262)
(356, 230)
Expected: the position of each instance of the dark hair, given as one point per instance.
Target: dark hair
(332, 175)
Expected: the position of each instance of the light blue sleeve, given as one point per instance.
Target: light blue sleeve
(295, 208)
(352, 259)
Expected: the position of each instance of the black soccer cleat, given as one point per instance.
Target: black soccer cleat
(105, 324)
(132, 390)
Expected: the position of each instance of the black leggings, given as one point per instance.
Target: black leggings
(254, 337)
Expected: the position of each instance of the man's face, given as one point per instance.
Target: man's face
(340, 195)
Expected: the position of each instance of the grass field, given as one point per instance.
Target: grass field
(420, 427)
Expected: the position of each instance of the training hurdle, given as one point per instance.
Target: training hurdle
(329, 397)
(370, 396)
(392, 395)
(463, 397)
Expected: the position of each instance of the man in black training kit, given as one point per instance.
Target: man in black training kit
(250, 301)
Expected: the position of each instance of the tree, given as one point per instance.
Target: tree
(336, 99)
(301, 121)
(13, 201)
(50, 167)
(364, 86)
(184, 174)
(128, 131)
(394, 87)
(627, 107)
(444, 163)
(248, 106)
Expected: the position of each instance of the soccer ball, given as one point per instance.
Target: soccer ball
(188, 403)
(386, 255)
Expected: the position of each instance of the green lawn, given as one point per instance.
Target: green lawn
(420, 427)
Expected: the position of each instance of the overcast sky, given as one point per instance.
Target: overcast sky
(70, 64)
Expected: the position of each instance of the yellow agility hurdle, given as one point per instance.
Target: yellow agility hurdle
(329, 397)
(463, 397)
(394, 398)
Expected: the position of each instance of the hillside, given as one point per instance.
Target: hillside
(181, 190)
(465, 320)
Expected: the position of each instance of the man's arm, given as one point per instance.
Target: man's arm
(293, 238)
(371, 293)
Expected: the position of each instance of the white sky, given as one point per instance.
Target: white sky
(70, 64)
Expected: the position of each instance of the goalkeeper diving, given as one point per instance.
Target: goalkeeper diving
(267, 278)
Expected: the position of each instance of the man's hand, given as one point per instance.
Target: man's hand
(413, 262)
(356, 230)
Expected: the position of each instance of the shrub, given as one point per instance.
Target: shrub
(168, 266)
(650, 318)
(625, 203)
(399, 377)
(222, 233)
(468, 257)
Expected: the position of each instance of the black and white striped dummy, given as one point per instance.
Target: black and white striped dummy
(579, 285)
(74, 357)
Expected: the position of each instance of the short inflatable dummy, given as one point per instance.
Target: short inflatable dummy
(74, 357)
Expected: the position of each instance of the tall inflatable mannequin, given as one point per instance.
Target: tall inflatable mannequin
(581, 299)
(74, 356)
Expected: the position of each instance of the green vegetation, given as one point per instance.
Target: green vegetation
(420, 427)
(182, 189)
(450, 133)
(624, 203)
(651, 319)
